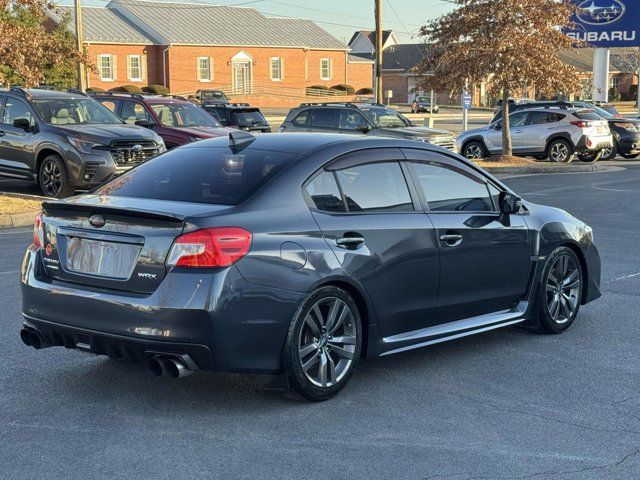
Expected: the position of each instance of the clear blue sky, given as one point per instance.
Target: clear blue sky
(342, 17)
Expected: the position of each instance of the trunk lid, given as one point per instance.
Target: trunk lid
(113, 242)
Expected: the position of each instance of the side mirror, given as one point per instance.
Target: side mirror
(509, 203)
(143, 123)
(22, 123)
(362, 128)
(497, 126)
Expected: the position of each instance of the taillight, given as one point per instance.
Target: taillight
(582, 124)
(210, 247)
(38, 231)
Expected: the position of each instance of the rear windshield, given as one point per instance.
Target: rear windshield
(587, 115)
(248, 117)
(201, 175)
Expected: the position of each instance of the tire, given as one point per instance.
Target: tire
(474, 150)
(558, 305)
(591, 157)
(53, 178)
(630, 156)
(610, 154)
(560, 151)
(317, 365)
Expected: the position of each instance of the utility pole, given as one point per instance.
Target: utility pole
(378, 63)
(82, 80)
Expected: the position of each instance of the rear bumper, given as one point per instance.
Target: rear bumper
(629, 144)
(593, 143)
(224, 322)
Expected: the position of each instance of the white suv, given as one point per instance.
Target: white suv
(556, 134)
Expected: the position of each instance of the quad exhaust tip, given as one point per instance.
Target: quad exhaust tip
(171, 367)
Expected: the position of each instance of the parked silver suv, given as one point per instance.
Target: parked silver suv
(543, 133)
(363, 118)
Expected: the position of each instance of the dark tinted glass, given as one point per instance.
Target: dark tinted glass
(538, 118)
(200, 175)
(324, 118)
(375, 186)
(248, 118)
(324, 193)
(351, 120)
(518, 119)
(15, 109)
(302, 118)
(448, 189)
(587, 115)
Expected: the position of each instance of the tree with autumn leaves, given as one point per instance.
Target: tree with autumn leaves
(506, 43)
(33, 49)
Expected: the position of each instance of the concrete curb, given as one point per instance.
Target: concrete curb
(541, 169)
(22, 219)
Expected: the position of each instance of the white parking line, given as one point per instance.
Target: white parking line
(9, 272)
(626, 277)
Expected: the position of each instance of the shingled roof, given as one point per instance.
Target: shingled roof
(205, 24)
(403, 57)
(105, 25)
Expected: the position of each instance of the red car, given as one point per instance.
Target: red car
(175, 119)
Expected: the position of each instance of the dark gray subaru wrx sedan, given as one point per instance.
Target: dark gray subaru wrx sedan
(298, 254)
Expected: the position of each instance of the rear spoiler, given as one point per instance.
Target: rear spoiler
(50, 207)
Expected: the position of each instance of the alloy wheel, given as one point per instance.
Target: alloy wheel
(563, 289)
(559, 152)
(473, 151)
(327, 342)
(51, 178)
(606, 152)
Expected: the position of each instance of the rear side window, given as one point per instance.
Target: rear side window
(538, 118)
(375, 187)
(200, 175)
(324, 193)
(587, 115)
(324, 118)
(449, 189)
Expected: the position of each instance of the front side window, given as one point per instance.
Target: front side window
(204, 69)
(450, 189)
(74, 111)
(325, 69)
(214, 175)
(183, 115)
(538, 118)
(324, 193)
(377, 187)
(518, 119)
(276, 68)
(15, 109)
(301, 119)
(383, 117)
(352, 120)
(135, 68)
(105, 66)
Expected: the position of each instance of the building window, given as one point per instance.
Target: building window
(276, 69)
(135, 68)
(204, 69)
(614, 82)
(325, 69)
(106, 67)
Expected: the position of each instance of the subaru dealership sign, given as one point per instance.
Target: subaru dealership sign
(607, 23)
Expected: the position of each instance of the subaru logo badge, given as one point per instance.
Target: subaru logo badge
(137, 148)
(600, 12)
(97, 221)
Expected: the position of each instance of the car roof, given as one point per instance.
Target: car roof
(40, 93)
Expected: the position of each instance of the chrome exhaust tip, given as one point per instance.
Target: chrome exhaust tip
(176, 368)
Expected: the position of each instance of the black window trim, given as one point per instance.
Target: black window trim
(357, 158)
(455, 165)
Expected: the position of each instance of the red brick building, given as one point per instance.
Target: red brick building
(192, 46)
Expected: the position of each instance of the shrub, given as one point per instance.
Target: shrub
(365, 91)
(95, 90)
(156, 89)
(347, 89)
(126, 89)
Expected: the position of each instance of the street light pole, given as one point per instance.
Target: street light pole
(82, 81)
(378, 50)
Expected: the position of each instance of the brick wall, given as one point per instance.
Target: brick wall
(152, 74)
(360, 75)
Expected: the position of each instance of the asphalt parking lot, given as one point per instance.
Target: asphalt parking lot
(502, 405)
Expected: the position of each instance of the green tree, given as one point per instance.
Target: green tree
(508, 43)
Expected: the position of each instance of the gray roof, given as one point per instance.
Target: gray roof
(106, 25)
(403, 57)
(206, 24)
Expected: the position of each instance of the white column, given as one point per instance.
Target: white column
(601, 74)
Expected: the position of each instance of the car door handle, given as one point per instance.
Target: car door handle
(518, 131)
(451, 239)
(1, 133)
(349, 242)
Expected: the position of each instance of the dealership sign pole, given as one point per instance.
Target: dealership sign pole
(605, 24)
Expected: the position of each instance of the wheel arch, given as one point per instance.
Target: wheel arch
(475, 138)
(42, 154)
(365, 308)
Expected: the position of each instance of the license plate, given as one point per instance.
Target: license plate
(101, 259)
(601, 130)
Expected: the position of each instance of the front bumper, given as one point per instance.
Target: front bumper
(215, 316)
